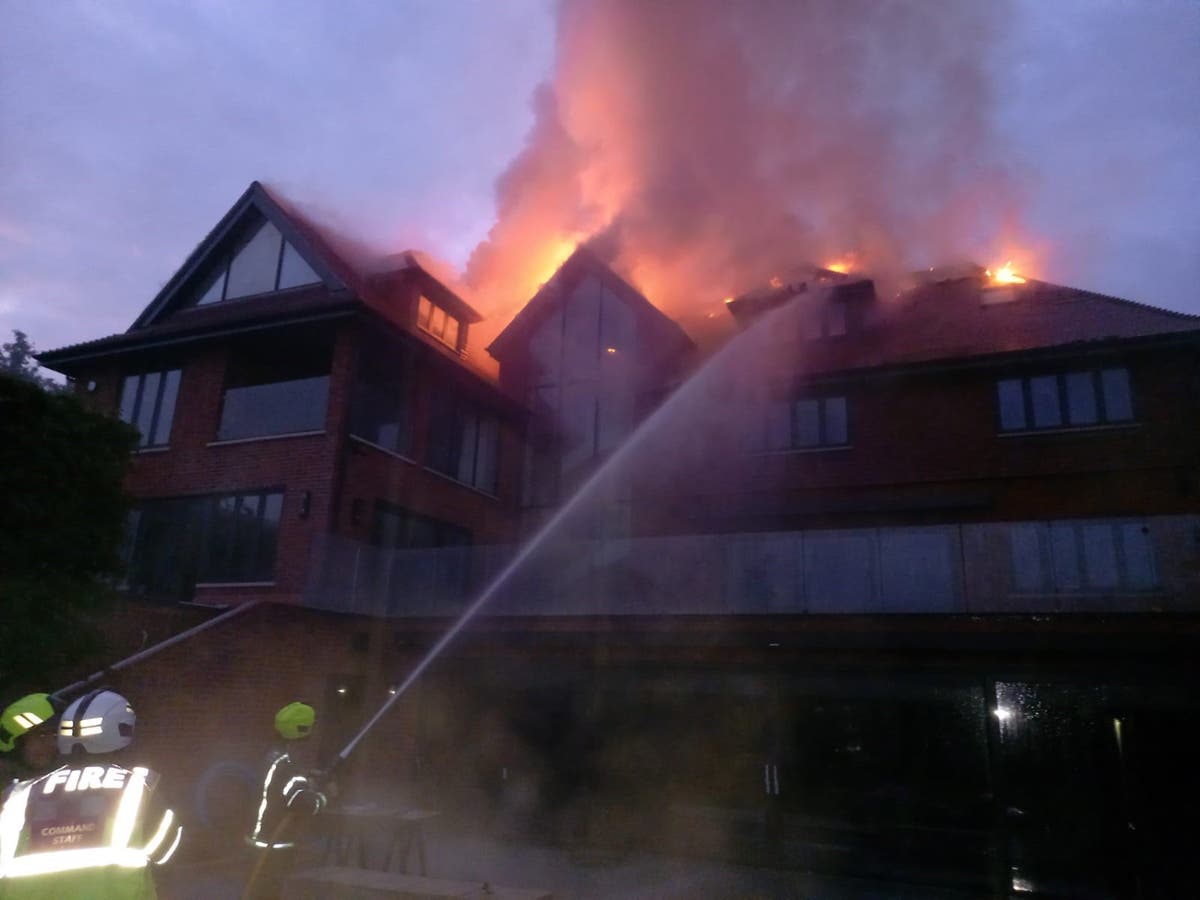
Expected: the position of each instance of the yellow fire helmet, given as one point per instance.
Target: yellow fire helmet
(22, 715)
(295, 721)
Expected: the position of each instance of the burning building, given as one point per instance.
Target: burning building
(902, 587)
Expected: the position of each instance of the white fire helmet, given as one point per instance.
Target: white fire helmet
(98, 722)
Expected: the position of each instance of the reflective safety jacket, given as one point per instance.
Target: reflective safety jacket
(82, 831)
(286, 789)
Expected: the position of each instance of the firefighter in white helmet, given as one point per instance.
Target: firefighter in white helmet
(86, 828)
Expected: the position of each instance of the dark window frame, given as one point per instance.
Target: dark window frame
(206, 572)
(447, 316)
(445, 533)
(832, 309)
(147, 441)
(186, 537)
(450, 409)
(392, 375)
(1062, 377)
(225, 260)
(823, 440)
(1050, 563)
(252, 368)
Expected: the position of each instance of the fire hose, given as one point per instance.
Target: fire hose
(264, 855)
(63, 693)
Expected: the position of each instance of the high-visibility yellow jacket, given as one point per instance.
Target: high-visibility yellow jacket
(81, 832)
(286, 788)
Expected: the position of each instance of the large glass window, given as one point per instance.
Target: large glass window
(254, 268)
(264, 262)
(805, 424)
(281, 389)
(1065, 400)
(1089, 556)
(241, 536)
(181, 541)
(148, 404)
(464, 441)
(293, 270)
(381, 409)
(586, 373)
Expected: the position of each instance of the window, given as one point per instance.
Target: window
(1066, 400)
(148, 404)
(263, 263)
(1087, 556)
(828, 320)
(431, 562)
(242, 530)
(463, 441)
(381, 407)
(805, 424)
(400, 528)
(833, 320)
(281, 389)
(437, 322)
(179, 541)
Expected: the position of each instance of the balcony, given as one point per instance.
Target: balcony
(976, 568)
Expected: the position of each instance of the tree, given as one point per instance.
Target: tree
(16, 359)
(63, 510)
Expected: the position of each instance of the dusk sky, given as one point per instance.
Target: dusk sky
(127, 129)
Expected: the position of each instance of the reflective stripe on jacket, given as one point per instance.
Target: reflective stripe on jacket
(83, 825)
(285, 789)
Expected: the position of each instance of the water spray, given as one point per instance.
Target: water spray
(639, 435)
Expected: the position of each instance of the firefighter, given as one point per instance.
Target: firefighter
(290, 794)
(27, 738)
(87, 829)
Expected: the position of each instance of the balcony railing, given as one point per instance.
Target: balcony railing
(946, 569)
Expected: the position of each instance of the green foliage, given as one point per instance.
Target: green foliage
(63, 511)
(16, 359)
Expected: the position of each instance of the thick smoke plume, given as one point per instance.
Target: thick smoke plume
(705, 146)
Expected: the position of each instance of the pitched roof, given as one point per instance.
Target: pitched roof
(334, 273)
(202, 323)
(350, 275)
(967, 318)
(580, 263)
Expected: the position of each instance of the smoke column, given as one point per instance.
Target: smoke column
(703, 146)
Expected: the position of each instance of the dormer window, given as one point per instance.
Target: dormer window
(436, 321)
(833, 320)
(260, 265)
(830, 321)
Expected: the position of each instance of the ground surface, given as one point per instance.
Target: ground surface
(461, 852)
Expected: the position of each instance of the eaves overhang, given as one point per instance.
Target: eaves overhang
(67, 359)
(1000, 359)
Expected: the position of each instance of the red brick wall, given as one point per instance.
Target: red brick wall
(213, 698)
(369, 474)
(926, 447)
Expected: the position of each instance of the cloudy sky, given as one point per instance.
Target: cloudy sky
(127, 129)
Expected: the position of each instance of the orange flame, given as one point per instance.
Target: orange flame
(776, 281)
(552, 258)
(1005, 274)
(843, 265)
